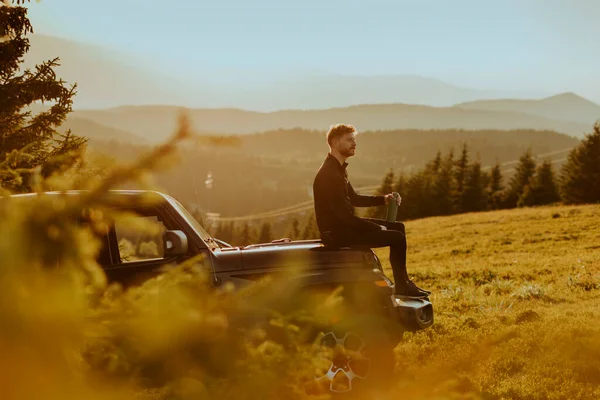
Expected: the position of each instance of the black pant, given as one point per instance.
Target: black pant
(394, 237)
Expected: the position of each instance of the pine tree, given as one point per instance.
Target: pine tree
(30, 144)
(495, 188)
(460, 173)
(219, 231)
(227, 234)
(547, 187)
(245, 237)
(416, 200)
(400, 187)
(400, 184)
(473, 196)
(462, 166)
(523, 175)
(434, 165)
(387, 186)
(311, 230)
(443, 187)
(294, 231)
(266, 234)
(428, 175)
(580, 175)
(485, 179)
(541, 189)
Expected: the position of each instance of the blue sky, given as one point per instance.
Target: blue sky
(546, 45)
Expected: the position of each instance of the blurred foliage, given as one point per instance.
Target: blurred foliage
(66, 333)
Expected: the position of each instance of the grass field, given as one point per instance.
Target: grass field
(516, 296)
(517, 301)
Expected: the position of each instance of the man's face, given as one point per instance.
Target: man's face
(346, 145)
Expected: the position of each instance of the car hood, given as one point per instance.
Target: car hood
(305, 255)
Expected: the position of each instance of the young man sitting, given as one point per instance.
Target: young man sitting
(335, 200)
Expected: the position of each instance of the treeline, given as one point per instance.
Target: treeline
(451, 184)
(302, 227)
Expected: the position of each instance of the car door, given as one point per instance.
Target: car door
(133, 248)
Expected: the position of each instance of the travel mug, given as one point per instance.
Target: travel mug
(392, 210)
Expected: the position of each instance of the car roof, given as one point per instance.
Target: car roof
(74, 192)
(117, 194)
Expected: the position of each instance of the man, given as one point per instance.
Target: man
(335, 200)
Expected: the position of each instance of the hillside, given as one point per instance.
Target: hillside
(90, 129)
(517, 301)
(564, 107)
(276, 169)
(97, 132)
(155, 123)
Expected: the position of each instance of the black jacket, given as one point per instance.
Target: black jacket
(335, 200)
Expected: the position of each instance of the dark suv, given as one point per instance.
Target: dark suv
(379, 317)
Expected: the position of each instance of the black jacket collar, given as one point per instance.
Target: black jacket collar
(342, 167)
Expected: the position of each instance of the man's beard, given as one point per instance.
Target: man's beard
(348, 152)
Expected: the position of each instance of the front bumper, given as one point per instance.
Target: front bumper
(413, 314)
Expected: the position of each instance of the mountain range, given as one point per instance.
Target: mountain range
(245, 101)
(108, 78)
(156, 123)
(564, 107)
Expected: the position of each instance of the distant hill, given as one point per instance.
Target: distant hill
(564, 107)
(108, 78)
(155, 123)
(95, 131)
(90, 129)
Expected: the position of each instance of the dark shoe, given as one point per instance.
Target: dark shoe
(409, 289)
(422, 290)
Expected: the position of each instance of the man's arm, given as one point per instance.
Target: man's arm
(337, 190)
(358, 200)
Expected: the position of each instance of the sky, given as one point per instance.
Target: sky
(544, 45)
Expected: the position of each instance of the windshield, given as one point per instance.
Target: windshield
(191, 220)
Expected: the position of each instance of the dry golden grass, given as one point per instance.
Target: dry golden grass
(517, 301)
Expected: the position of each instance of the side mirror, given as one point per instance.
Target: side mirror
(175, 243)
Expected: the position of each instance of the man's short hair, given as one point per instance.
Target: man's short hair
(338, 130)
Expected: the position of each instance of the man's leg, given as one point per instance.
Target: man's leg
(397, 259)
(397, 244)
(397, 253)
(396, 226)
(393, 239)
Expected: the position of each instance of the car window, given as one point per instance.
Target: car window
(139, 238)
(193, 222)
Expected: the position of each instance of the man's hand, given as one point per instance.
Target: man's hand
(383, 227)
(389, 197)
